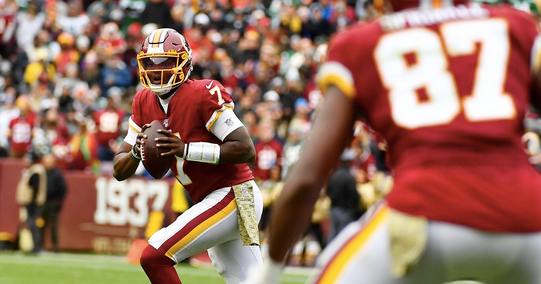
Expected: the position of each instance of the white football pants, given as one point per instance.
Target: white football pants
(361, 254)
(212, 225)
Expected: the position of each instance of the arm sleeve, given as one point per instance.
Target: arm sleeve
(226, 123)
(134, 122)
(133, 130)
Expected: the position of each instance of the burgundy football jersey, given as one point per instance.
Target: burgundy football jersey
(191, 113)
(448, 90)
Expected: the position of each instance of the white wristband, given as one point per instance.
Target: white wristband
(203, 152)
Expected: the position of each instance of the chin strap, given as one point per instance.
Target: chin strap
(164, 90)
(169, 90)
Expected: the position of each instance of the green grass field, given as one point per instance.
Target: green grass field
(17, 268)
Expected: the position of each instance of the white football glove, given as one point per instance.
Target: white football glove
(268, 273)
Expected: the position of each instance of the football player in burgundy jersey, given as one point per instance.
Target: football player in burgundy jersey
(447, 84)
(212, 149)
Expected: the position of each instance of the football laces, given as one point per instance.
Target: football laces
(142, 149)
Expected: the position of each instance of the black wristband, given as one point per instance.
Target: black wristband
(186, 149)
(135, 154)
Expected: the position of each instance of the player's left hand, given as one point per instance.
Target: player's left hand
(174, 143)
(268, 273)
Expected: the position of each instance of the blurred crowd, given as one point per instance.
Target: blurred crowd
(68, 71)
(68, 74)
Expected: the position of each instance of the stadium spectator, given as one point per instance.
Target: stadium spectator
(301, 118)
(42, 42)
(270, 188)
(108, 124)
(364, 160)
(69, 81)
(342, 191)
(132, 10)
(317, 25)
(31, 195)
(115, 73)
(8, 14)
(292, 149)
(65, 101)
(56, 192)
(157, 12)
(20, 128)
(75, 21)
(83, 148)
(37, 66)
(68, 53)
(7, 113)
(82, 44)
(110, 42)
(55, 132)
(133, 45)
(269, 151)
(29, 23)
(91, 69)
(102, 9)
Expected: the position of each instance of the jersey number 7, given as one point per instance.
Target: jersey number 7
(216, 91)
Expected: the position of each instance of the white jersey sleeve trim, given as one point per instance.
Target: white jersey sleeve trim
(133, 130)
(226, 123)
(335, 74)
(217, 114)
(535, 60)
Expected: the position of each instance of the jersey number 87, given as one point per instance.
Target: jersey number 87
(487, 100)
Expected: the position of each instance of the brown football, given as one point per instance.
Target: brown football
(156, 165)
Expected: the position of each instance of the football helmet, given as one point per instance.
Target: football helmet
(165, 61)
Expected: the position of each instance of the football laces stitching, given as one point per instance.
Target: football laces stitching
(142, 149)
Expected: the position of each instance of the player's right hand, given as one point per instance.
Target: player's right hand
(140, 140)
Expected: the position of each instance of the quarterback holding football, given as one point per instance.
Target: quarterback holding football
(210, 148)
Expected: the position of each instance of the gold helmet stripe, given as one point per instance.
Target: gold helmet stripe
(156, 38)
